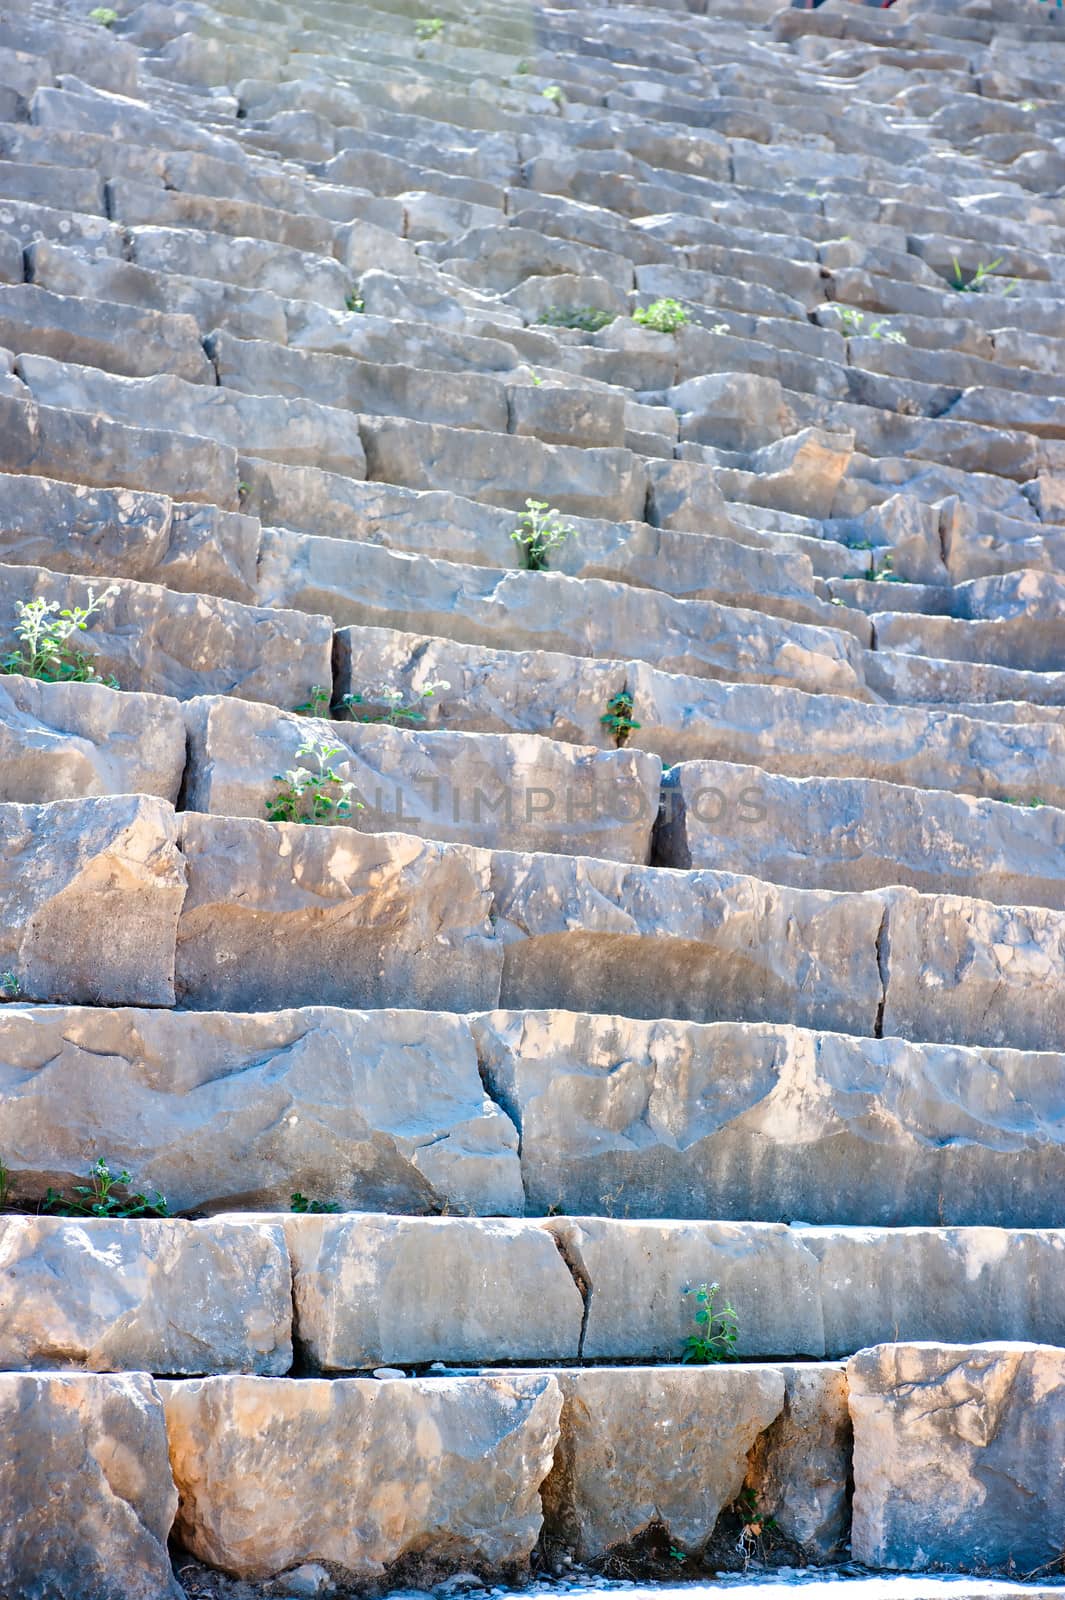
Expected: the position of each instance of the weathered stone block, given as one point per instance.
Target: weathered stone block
(510, 791)
(279, 913)
(958, 1455)
(86, 1486)
(396, 1291)
(90, 892)
(752, 1121)
(379, 1111)
(162, 1296)
(633, 1452)
(68, 741)
(444, 1469)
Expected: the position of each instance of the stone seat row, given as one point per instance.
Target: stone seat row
(549, 1112)
(343, 917)
(507, 1461)
(525, 792)
(107, 1295)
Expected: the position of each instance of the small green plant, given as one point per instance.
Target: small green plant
(428, 28)
(537, 381)
(44, 632)
(522, 67)
(978, 281)
(716, 1331)
(552, 93)
(311, 1208)
(618, 717)
(104, 16)
(5, 1186)
(885, 573)
(663, 316)
(10, 988)
(317, 705)
(355, 302)
(539, 532)
(853, 325)
(589, 319)
(389, 706)
(1014, 800)
(1029, 105)
(316, 793)
(100, 1197)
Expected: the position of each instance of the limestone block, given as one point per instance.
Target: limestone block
(86, 1486)
(584, 934)
(567, 416)
(278, 913)
(164, 1296)
(958, 1455)
(511, 791)
(256, 424)
(636, 1275)
(395, 1291)
(952, 1284)
(140, 204)
(116, 338)
(966, 971)
(633, 1451)
(381, 1111)
(501, 468)
(671, 1119)
(90, 449)
(125, 533)
(445, 1469)
(90, 892)
(491, 691)
(799, 1468)
(252, 263)
(68, 741)
(858, 833)
(159, 641)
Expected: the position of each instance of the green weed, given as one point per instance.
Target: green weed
(317, 793)
(428, 28)
(716, 1331)
(104, 16)
(618, 717)
(311, 1208)
(100, 1197)
(589, 319)
(44, 633)
(662, 316)
(389, 706)
(539, 532)
(10, 988)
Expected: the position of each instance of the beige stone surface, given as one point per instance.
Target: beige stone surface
(637, 1273)
(967, 971)
(445, 1469)
(381, 1111)
(594, 935)
(90, 894)
(858, 833)
(671, 1119)
(394, 1291)
(798, 1470)
(279, 914)
(653, 1445)
(86, 1488)
(65, 741)
(958, 1455)
(509, 791)
(161, 1296)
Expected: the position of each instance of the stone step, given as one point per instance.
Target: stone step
(363, 585)
(88, 449)
(859, 833)
(106, 533)
(141, 205)
(250, 313)
(249, 263)
(500, 791)
(998, 750)
(287, 430)
(117, 338)
(66, 741)
(163, 642)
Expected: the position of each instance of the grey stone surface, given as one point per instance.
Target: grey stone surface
(509, 791)
(445, 1469)
(71, 869)
(67, 741)
(665, 1118)
(399, 1291)
(368, 1110)
(161, 1296)
(87, 1482)
(975, 1429)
